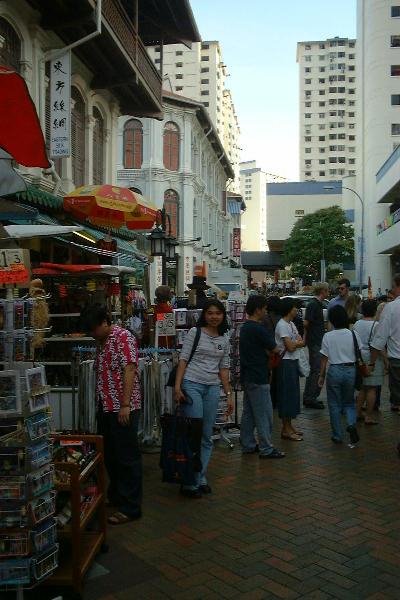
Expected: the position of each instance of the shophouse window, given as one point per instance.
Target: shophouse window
(333, 159)
(307, 81)
(10, 49)
(308, 150)
(332, 136)
(179, 76)
(307, 69)
(307, 104)
(179, 53)
(307, 116)
(179, 64)
(322, 150)
(307, 138)
(332, 171)
(322, 92)
(395, 99)
(321, 138)
(98, 147)
(322, 69)
(205, 70)
(321, 80)
(352, 161)
(307, 58)
(395, 11)
(321, 115)
(351, 68)
(395, 128)
(205, 81)
(133, 144)
(395, 70)
(322, 173)
(78, 141)
(171, 146)
(341, 136)
(171, 206)
(205, 58)
(321, 161)
(322, 103)
(205, 93)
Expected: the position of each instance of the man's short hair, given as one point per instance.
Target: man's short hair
(93, 316)
(338, 316)
(344, 281)
(396, 279)
(320, 287)
(368, 308)
(255, 302)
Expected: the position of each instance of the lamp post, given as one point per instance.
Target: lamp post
(331, 187)
(161, 244)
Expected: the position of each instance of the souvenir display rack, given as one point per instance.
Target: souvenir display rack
(28, 539)
(81, 512)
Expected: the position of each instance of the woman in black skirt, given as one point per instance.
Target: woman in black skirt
(288, 341)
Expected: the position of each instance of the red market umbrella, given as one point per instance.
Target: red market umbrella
(111, 206)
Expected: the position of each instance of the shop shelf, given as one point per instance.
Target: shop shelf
(12, 488)
(14, 543)
(44, 536)
(45, 564)
(41, 481)
(86, 518)
(70, 468)
(90, 546)
(15, 571)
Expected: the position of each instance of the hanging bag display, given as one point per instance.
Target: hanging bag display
(172, 375)
(180, 448)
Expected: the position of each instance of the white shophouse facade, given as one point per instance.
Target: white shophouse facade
(327, 108)
(180, 163)
(200, 73)
(378, 136)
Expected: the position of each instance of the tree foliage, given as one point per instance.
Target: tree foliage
(324, 232)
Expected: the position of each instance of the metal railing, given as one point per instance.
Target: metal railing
(124, 30)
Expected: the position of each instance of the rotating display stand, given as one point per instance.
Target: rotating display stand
(28, 534)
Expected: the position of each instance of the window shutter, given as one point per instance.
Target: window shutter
(10, 51)
(171, 206)
(171, 146)
(133, 144)
(98, 148)
(78, 150)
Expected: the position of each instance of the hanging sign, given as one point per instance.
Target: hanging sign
(236, 243)
(60, 106)
(14, 265)
(165, 324)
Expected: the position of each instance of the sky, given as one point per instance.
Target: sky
(258, 40)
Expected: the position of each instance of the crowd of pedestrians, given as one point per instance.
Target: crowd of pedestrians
(356, 337)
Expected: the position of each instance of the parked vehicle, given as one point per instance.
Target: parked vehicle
(304, 300)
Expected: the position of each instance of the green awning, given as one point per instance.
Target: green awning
(38, 197)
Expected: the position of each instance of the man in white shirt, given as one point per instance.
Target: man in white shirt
(388, 334)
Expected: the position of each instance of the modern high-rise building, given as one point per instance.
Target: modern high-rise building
(378, 138)
(253, 188)
(199, 73)
(327, 78)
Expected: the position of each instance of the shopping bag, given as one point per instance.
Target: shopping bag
(180, 448)
(304, 365)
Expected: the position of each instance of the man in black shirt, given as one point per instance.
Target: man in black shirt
(255, 342)
(314, 327)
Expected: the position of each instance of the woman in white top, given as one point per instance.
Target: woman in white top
(338, 349)
(366, 330)
(288, 341)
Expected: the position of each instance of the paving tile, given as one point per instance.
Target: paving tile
(322, 523)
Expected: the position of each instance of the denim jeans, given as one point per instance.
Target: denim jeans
(202, 403)
(257, 414)
(123, 461)
(312, 389)
(340, 393)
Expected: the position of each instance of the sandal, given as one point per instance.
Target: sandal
(118, 518)
(293, 437)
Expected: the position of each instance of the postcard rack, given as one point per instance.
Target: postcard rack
(28, 533)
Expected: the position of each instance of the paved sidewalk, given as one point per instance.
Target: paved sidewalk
(321, 523)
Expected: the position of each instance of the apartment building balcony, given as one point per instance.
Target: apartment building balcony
(388, 234)
(388, 179)
(117, 57)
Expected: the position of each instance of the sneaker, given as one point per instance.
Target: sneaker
(252, 451)
(274, 454)
(190, 493)
(353, 433)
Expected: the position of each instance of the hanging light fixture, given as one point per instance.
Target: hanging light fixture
(157, 242)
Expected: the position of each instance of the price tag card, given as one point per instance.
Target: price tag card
(14, 266)
(165, 324)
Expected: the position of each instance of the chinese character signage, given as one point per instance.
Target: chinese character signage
(60, 106)
(236, 241)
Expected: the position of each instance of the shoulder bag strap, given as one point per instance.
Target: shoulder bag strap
(357, 351)
(195, 344)
(371, 332)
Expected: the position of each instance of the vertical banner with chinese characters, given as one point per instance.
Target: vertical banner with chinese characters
(236, 241)
(60, 106)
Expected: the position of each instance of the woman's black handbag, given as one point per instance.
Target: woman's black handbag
(172, 376)
(361, 367)
(180, 448)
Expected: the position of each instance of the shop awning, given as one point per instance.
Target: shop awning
(33, 231)
(12, 211)
(38, 197)
(58, 269)
(123, 246)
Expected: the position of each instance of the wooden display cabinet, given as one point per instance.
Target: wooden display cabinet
(79, 545)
